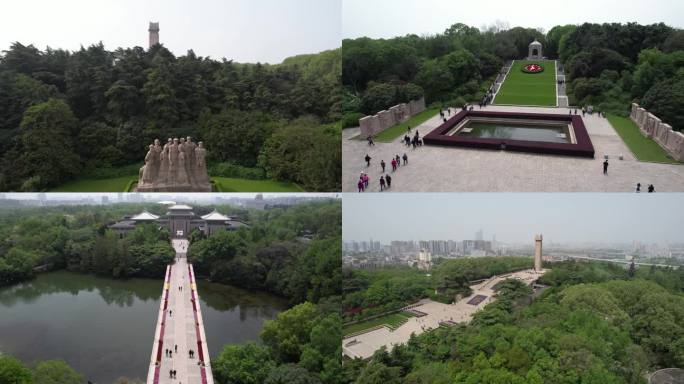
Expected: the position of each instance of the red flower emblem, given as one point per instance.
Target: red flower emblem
(532, 68)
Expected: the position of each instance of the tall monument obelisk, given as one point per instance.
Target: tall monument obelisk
(538, 253)
(154, 33)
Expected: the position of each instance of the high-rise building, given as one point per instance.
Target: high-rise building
(154, 33)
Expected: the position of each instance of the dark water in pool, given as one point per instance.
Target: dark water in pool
(104, 328)
(517, 132)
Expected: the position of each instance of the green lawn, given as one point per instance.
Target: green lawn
(643, 148)
(225, 184)
(229, 184)
(393, 132)
(522, 88)
(117, 184)
(393, 321)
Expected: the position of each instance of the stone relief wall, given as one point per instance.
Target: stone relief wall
(372, 125)
(652, 127)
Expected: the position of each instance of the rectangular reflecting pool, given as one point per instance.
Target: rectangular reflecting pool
(546, 132)
(543, 133)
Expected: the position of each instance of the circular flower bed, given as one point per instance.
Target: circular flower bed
(532, 68)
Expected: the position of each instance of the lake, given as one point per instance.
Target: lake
(104, 328)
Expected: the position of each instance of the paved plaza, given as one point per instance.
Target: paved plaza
(180, 327)
(456, 169)
(365, 344)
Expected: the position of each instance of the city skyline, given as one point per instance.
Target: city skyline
(513, 217)
(246, 31)
(399, 18)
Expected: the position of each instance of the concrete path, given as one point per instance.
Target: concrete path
(180, 328)
(452, 169)
(365, 344)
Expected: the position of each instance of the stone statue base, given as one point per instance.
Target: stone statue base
(173, 188)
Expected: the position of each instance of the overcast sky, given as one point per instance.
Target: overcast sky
(264, 31)
(391, 18)
(514, 217)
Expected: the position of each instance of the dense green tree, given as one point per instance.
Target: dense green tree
(56, 372)
(302, 152)
(242, 364)
(665, 100)
(45, 150)
(290, 374)
(12, 371)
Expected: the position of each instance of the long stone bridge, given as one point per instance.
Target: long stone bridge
(180, 328)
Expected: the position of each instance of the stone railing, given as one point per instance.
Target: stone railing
(372, 125)
(652, 127)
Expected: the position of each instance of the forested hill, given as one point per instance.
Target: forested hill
(95, 108)
(607, 65)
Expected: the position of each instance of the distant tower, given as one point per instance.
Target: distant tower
(537, 253)
(154, 34)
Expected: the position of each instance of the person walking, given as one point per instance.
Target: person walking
(398, 161)
(366, 179)
(371, 143)
(175, 348)
(388, 179)
(605, 167)
(368, 159)
(638, 188)
(394, 165)
(382, 183)
(405, 159)
(360, 184)
(382, 164)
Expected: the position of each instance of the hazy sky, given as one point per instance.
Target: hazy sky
(390, 18)
(244, 30)
(514, 217)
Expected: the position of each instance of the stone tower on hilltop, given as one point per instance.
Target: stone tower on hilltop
(154, 34)
(538, 253)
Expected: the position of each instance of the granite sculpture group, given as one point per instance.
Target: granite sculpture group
(178, 166)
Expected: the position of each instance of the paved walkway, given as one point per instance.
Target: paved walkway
(452, 169)
(365, 344)
(180, 328)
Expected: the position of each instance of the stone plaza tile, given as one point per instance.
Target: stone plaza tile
(451, 169)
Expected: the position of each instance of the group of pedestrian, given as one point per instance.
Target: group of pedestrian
(363, 181)
(590, 110)
(416, 141)
(169, 353)
(191, 354)
(172, 373)
(650, 188)
(386, 179)
(371, 143)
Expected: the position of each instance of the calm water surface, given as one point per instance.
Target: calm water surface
(104, 328)
(518, 132)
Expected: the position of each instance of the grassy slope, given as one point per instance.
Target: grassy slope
(228, 184)
(642, 147)
(117, 184)
(522, 88)
(392, 133)
(393, 321)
